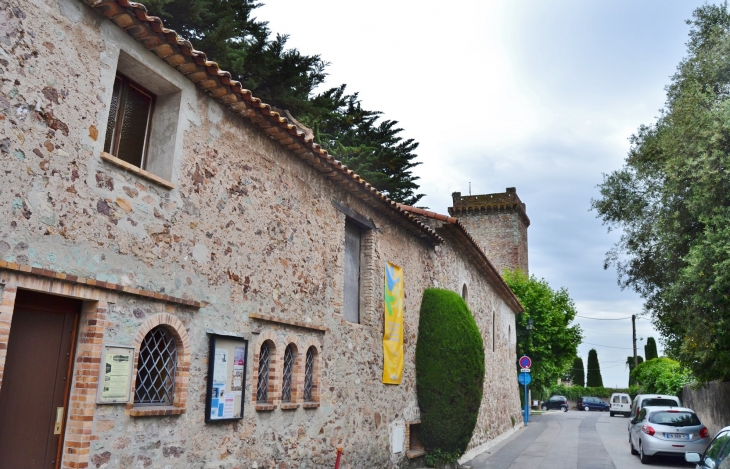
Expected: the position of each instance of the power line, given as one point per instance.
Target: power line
(604, 319)
(608, 346)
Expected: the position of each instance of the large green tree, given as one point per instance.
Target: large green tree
(650, 349)
(229, 34)
(594, 380)
(553, 343)
(672, 203)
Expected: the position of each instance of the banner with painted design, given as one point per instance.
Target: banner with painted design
(393, 330)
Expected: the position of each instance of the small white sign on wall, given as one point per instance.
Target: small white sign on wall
(398, 437)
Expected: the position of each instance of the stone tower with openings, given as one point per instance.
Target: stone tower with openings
(498, 222)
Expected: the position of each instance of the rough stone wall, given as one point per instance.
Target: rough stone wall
(247, 229)
(711, 402)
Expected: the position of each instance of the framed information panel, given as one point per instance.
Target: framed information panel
(115, 374)
(226, 378)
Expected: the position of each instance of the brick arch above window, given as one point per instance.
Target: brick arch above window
(292, 373)
(274, 378)
(311, 392)
(182, 342)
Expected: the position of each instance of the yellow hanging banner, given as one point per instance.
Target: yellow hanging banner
(393, 330)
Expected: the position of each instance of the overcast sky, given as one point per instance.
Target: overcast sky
(533, 94)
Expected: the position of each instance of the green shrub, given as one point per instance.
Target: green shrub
(594, 379)
(661, 376)
(449, 372)
(575, 392)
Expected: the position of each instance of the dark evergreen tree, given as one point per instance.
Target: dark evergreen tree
(449, 371)
(630, 364)
(650, 350)
(594, 371)
(577, 373)
(283, 77)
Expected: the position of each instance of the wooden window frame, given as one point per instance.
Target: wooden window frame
(126, 83)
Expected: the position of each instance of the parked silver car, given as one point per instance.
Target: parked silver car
(667, 431)
(716, 455)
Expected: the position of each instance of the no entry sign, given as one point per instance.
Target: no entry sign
(525, 362)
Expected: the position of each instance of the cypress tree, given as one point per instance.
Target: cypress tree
(577, 373)
(281, 76)
(630, 364)
(650, 351)
(594, 371)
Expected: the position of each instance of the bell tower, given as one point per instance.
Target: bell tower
(498, 222)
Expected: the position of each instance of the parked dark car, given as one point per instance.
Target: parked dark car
(592, 403)
(556, 402)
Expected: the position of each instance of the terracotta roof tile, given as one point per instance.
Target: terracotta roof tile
(458, 233)
(179, 53)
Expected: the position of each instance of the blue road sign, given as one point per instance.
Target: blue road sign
(524, 378)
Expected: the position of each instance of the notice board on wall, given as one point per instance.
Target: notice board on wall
(115, 374)
(226, 378)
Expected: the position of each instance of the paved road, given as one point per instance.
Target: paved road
(569, 440)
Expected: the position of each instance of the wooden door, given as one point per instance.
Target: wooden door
(35, 380)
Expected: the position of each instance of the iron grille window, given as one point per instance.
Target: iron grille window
(309, 375)
(262, 393)
(288, 372)
(156, 368)
(130, 115)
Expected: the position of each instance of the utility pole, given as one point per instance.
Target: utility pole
(633, 326)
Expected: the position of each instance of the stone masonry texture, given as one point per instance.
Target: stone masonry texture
(246, 231)
(498, 222)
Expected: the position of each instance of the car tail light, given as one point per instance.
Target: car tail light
(647, 429)
(673, 411)
(704, 433)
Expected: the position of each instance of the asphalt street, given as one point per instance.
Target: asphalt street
(569, 440)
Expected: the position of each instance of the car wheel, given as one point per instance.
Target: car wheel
(564, 408)
(611, 414)
(633, 451)
(642, 457)
(544, 407)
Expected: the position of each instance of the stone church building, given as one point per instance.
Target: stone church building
(189, 281)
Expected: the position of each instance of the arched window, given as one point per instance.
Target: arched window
(287, 381)
(156, 368)
(262, 392)
(309, 375)
(465, 294)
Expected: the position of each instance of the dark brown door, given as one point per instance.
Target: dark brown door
(35, 379)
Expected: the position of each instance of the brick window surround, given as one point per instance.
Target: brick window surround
(79, 426)
(316, 373)
(182, 373)
(274, 382)
(297, 378)
(277, 349)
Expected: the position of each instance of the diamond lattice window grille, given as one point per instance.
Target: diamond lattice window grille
(309, 375)
(288, 372)
(262, 393)
(156, 368)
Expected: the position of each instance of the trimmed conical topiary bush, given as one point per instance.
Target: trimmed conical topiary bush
(594, 379)
(449, 371)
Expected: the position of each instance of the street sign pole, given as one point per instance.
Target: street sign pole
(524, 379)
(527, 409)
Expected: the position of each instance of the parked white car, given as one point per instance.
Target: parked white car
(620, 404)
(645, 400)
